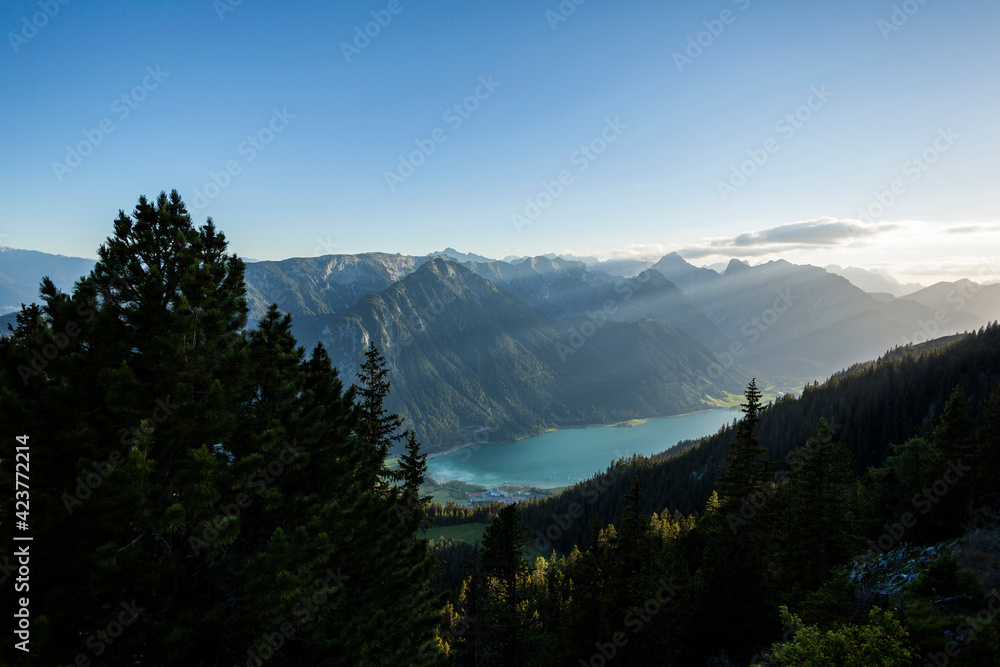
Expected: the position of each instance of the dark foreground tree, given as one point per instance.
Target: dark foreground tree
(503, 566)
(201, 494)
(731, 602)
(815, 532)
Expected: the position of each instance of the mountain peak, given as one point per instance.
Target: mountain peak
(675, 260)
(736, 265)
(682, 273)
(461, 256)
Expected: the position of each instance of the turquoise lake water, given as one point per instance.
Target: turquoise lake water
(566, 456)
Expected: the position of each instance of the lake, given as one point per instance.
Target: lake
(567, 456)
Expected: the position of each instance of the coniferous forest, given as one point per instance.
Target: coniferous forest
(205, 491)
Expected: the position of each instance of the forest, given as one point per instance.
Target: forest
(225, 492)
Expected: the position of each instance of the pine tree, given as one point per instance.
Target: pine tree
(735, 607)
(379, 429)
(412, 471)
(208, 475)
(955, 433)
(988, 452)
(747, 465)
(503, 565)
(815, 531)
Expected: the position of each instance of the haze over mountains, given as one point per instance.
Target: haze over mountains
(511, 347)
(22, 270)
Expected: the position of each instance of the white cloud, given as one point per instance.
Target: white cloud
(910, 250)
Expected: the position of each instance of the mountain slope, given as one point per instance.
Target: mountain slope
(464, 353)
(873, 282)
(681, 273)
(557, 287)
(868, 407)
(328, 285)
(21, 272)
(961, 297)
(564, 289)
(652, 296)
(802, 321)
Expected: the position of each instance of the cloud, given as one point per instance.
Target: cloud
(911, 250)
(974, 229)
(820, 232)
(647, 251)
(796, 236)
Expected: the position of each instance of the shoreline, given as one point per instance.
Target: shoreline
(568, 428)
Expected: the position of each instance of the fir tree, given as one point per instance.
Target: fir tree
(735, 605)
(956, 431)
(988, 451)
(503, 565)
(211, 477)
(747, 465)
(815, 531)
(378, 429)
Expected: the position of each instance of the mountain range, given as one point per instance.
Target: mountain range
(523, 344)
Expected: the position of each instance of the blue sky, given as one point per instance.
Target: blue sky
(310, 127)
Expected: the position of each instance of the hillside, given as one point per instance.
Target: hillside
(464, 353)
(802, 321)
(869, 408)
(21, 271)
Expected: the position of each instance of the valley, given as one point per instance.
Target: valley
(481, 350)
(497, 350)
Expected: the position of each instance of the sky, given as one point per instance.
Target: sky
(858, 133)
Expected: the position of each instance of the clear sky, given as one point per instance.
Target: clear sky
(727, 128)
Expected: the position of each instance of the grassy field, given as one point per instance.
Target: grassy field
(465, 532)
(450, 492)
(630, 423)
(472, 533)
(735, 400)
